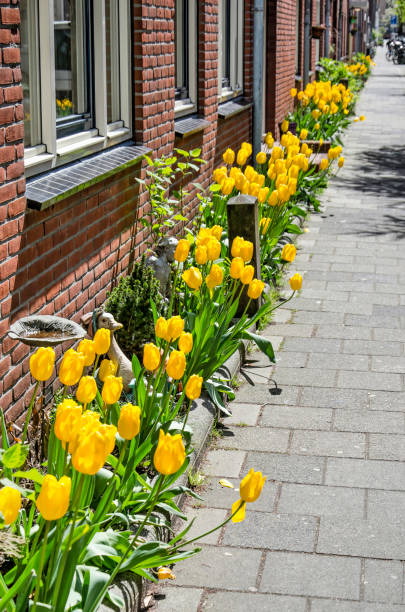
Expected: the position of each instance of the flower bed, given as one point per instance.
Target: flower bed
(74, 524)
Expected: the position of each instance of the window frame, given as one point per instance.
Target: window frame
(189, 49)
(53, 151)
(235, 27)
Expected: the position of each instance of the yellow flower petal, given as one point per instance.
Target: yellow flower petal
(240, 515)
(226, 483)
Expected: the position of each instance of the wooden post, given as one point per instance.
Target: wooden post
(243, 221)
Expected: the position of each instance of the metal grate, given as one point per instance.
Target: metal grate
(189, 126)
(230, 109)
(59, 184)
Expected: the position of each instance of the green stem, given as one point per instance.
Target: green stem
(95, 365)
(169, 313)
(55, 551)
(29, 411)
(41, 566)
(120, 459)
(187, 413)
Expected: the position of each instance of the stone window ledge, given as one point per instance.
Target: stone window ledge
(189, 126)
(232, 108)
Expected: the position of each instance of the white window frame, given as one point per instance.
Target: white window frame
(53, 151)
(237, 18)
(188, 105)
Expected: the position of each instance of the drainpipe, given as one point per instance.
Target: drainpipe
(327, 31)
(258, 28)
(307, 40)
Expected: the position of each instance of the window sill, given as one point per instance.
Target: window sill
(230, 109)
(183, 108)
(228, 94)
(58, 185)
(189, 126)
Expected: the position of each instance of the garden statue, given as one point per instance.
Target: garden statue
(99, 319)
(160, 263)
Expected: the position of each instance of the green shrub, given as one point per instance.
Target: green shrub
(130, 304)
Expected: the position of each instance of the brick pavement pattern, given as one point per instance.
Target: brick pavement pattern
(327, 534)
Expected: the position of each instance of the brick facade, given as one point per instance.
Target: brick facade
(65, 259)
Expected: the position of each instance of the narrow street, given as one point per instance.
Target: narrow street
(328, 532)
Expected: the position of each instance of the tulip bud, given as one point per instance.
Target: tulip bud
(237, 265)
(201, 255)
(246, 250)
(102, 340)
(161, 328)
(251, 486)
(42, 363)
(86, 390)
(193, 387)
(236, 244)
(53, 499)
(67, 419)
(288, 253)
(324, 164)
(170, 453)
(175, 326)
(247, 275)
(296, 282)
(213, 249)
(215, 277)
(261, 158)
(192, 277)
(176, 365)
(293, 92)
(88, 350)
(71, 367)
(273, 199)
(303, 134)
(165, 573)
(255, 289)
(229, 157)
(182, 250)
(262, 195)
(112, 389)
(151, 356)
(242, 157)
(129, 422)
(227, 186)
(107, 368)
(284, 126)
(341, 161)
(186, 342)
(10, 504)
(216, 230)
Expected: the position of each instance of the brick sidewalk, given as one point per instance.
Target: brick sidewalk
(328, 533)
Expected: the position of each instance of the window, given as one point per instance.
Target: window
(75, 60)
(230, 48)
(298, 38)
(186, 56)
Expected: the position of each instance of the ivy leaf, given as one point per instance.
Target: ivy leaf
(15, 456)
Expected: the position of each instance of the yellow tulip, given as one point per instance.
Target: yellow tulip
(250, 173)
(273, 199)
(269, 140)
(255, 289)
(201, 255)
(71, 367)
(246, 250)
(129, 423)
(296, 282)
(107, 368)
(192, 277)
(265, 224)
(237, 265)
(176, 365)
(90, 453)
(102, 340)
(242, 157)
(284, 125)
(362, 117)
(341, 161)
(288, 253)
(112, 389)
(260, 178)
(324, 164)
(42, 363)
(10, 504)
(247, 275)
(161, 328)
(277, 153)
(261, 158)
(293, 92)
(182, 250)
(303, 134)
(186, 342)
(229, 157)
(53, 499)
(246, 146)
(175, 326)
(254, 189)
(250, 489)
(215, 276)
(220, 174)
(193, 387)
(165, 573)
(88, 350)
(170, 453)
(236, 244)
(86, 390)
(213, 249)
(227, 186)
(216, 230)
(67, 419)
(283, 193)
(151, 356)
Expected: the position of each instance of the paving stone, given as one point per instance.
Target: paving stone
(380, 400)
(388, 447)
(216, 496)
(388, 364)
(330, 605)
(302, 303)
(240, 602)
(374, 298)
(372, 321)
(389, 335)
(328, 444)
(348, 399)
(242, 413)
(386, 505)
(323, 294)
(318, 318)
(313, 575)
(215, 567)
(338, 362)
(365, 474)
(255, 438)
(256, 375)
(223, 463)
(370, 380)
(372, 347)
(346, 307)
(383, 581)
(343, 331)
(295, 417)
(272, 531)
(312, 345)
(268, 394)
(291, 359)
(287, 468)
(305, 377)
(361, 538)
(289, 329)
(205, 519)
(321, 501)
(281, 315)
(369, 421)
(174, 599)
